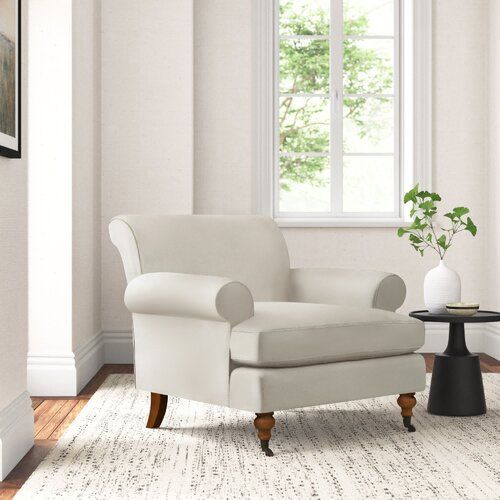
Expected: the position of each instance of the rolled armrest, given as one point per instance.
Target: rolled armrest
(190, 295)
(351, 287)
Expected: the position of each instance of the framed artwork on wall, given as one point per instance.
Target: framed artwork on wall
(10, 78)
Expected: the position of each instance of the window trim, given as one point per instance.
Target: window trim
(265, 23)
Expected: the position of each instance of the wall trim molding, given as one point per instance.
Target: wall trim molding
(491, 340)
(423, 59)
(89, 359)
(263, 97)
(16, 432)
(51, 374)
(481, 337)
(436, 337)
(118, 347)
(65, 373)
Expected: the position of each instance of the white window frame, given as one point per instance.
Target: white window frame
(414, 166)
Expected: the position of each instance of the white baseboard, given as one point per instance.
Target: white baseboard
(491, 340)
(16, 433)
(88, 361)
(52, 375)
(436, 337)
(118, 347)
(65, 374)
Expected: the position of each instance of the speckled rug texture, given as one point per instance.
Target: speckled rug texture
(347, 450)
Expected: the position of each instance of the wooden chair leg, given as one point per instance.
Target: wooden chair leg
(157, 410)
(407, 402)
(264, 422)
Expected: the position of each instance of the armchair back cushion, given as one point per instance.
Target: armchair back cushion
(250, 249)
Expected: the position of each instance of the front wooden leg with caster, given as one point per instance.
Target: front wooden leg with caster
(407, 402)
(264, 422)
(157, 410)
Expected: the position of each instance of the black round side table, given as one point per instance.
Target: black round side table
(457, 384)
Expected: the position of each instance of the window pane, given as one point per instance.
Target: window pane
(368, 125)
(368, 66)
(304, 184)
(368, 184)
(304, 17)
(369, 17)
(304, 124)
(304, 66)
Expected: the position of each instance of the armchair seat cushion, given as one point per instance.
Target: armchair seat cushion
(282, 334)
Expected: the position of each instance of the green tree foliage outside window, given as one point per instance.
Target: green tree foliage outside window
(305, 68)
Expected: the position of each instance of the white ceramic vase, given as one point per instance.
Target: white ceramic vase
(441, 286)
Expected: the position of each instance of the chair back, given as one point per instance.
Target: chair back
(250, 249)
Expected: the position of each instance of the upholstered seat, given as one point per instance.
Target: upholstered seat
(281, 334)
(221, 317)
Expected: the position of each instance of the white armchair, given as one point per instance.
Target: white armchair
(220, 317)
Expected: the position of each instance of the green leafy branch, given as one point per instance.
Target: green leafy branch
(422, 232)
(304, 68)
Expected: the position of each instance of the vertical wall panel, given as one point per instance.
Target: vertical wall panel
(50, 177)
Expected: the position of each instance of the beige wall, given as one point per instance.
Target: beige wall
(492, 264)
(223, 106)
(13, 280)
(147, 124)
(16, 416)
(13, 271)
(223, 163)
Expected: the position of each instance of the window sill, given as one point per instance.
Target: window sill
(340, 222)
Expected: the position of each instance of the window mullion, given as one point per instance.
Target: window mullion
(337, 104)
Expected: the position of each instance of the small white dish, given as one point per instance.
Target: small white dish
(462, 308)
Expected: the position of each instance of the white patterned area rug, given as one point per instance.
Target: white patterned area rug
(347, 450)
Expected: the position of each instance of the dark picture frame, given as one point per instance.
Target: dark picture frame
(10, 107)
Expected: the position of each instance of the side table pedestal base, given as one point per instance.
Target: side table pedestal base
(457, 386)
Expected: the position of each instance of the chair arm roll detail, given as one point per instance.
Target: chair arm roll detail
(211, 298)
(350, 287)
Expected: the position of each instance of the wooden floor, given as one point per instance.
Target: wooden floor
(53, 416)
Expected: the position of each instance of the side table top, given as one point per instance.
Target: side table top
(479, 317)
